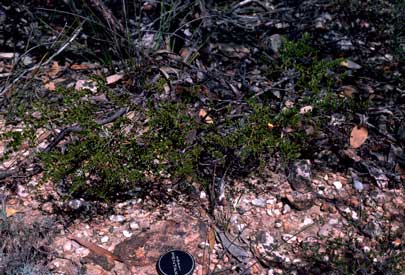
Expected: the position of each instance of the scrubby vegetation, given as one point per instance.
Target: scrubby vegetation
(24, 247)
(174, 141)
(201, 92)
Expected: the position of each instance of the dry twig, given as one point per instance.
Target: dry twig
(36, 67)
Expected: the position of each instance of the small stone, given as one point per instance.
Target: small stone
(260, 249)
(320, 25)
(358, 185)
(117, 218)
(326, 207)
(324, 230)
(289, 103)
(200, 76)
(37, 115)
(296, 261)
(350, 64)
(104, 239)
(34, 204)
(122, 205)
(92, 269)
(22, 191)
(126, 233)
(281, 25)
(47, 207)
(372, 229)
(2, 149)
(354, 202)
(203, 245)
(203, 195)
(67, 246)
(266, 239)
(276, 212)
(75, 204)
(321, 20)
(288, 238)
(300, 176)
(8, 55)
(82, 252)
(307, 221)
(286, 209)
(241, 227)
(275, 42)
(300, 201)
(338, 185)
(215, 261)
(134, 226)
(389, 57)
(259, 202)
(345, 44)
(63, 266)
(333, 221)
(327, 16)
(289, 227)
(306, 109)
(240, 210)
(271, 201)
(27, 60)
(86, 84)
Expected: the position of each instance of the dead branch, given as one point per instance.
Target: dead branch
(112, 21)
(78, 129)
(71, 129)
(36, 67)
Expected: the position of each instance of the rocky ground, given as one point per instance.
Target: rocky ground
(264, 137)
(270, 231)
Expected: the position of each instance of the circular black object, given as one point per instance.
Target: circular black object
(175, 262)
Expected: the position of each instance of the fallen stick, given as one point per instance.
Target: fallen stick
(97, 250)
(112, 21)
(36, 67)
(72, 129)
(78, 129)
(6, 174)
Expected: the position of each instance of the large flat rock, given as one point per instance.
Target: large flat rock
(179, 232)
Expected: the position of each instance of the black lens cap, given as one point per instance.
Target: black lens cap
(176, 262)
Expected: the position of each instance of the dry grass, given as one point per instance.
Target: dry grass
(23, 247)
